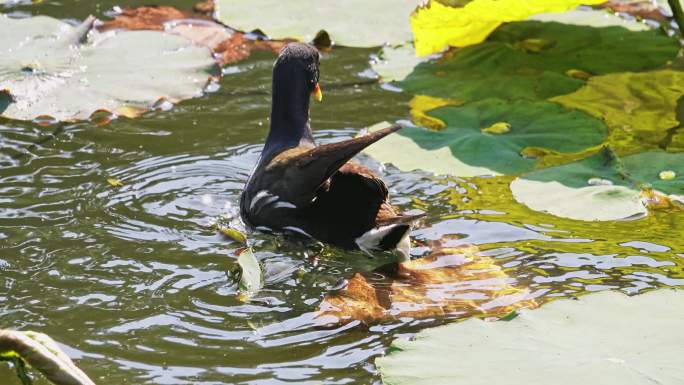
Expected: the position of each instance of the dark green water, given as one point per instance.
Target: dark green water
(139, 290)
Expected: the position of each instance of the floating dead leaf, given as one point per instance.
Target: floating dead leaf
(534, 45)
(229, 46)
(233, 234)
(578, 74)
(646, 9)
(498, 128)
(422, 104)
(655, 200)
(449, 282)
(115, 182)
(667, 175)
(129, 111)
(102, 117)
(206, 7)
(533, 152)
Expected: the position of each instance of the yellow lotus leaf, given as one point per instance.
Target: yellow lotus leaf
(422, 104)
(436, 26)
(639, 108)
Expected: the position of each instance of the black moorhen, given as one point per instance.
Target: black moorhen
(316, 191)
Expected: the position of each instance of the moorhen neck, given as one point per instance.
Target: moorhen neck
(317, 191)
(295, 75)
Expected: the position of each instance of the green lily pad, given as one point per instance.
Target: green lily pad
(251, 276)
(531, 60)
(467, 146)
(639, 108)
(602, 187)
(606, 338)
(353, 23)
(53, 68)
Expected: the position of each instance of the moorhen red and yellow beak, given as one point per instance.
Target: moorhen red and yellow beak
(317, 93)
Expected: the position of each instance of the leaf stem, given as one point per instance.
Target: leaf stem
(43, 354)
(678, 14)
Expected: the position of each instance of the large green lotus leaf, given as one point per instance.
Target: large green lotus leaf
(640, 108)
(535, 60)
(52, 68)
(354, 23)
(646, 169)
(606, 338)
(465, 148)
(602, 187)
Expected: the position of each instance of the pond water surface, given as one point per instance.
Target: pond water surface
(139, 288)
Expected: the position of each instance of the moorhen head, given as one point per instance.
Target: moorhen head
(302, 189)
(295, 79)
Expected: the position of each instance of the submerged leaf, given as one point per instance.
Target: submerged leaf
(437, 26)
(354, 23)
(463, 149)
(251, 276)
(496, 68)
(571, 191)
(449, 282)
(613, 338)
(55, 69)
